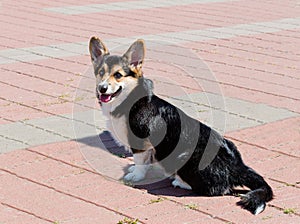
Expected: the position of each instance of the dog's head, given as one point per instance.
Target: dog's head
(116, 76)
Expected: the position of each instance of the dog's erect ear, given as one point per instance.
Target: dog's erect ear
(135, 56)
(97, 50)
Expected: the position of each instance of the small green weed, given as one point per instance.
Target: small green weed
(79, 98)
(191, 206)
(267, 217)
(289, 211)
(159, 199)
(64, 97)
(128, 221)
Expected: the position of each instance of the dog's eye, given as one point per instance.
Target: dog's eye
(101, 72)
(118, 75)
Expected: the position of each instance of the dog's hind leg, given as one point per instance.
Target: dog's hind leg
(178, 182)
(255, 200)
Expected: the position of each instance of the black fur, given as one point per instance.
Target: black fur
(205, 160)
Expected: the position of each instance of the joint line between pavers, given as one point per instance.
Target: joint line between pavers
(27, 212)
(13, 139)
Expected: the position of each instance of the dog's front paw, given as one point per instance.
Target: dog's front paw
(131, 169)
(135, 173)
(134, 177)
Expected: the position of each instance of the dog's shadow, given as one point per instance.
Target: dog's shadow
(112, 146)
(155, 182)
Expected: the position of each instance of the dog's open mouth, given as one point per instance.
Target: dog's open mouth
(105, 98)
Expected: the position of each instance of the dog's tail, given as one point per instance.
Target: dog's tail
(255, 200)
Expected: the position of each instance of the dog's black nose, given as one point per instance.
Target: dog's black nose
(103, 88)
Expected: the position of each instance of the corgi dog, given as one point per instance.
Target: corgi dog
(200, 158)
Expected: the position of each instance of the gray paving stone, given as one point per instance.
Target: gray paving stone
(12, 52)
(8, 145)
(61, 126)
(258, 112)
(5, 60)
(87, 123)
(28, 135)
(234, 122)
(51, 51)
(81, 48)
(238, 114)
(72, 126)
(128, 5)
(73, 48)
(13, 55)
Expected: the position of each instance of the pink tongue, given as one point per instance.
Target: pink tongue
(105, 98)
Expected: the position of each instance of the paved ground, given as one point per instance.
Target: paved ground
(232, 64)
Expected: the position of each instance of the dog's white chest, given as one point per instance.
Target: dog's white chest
(116, 126)
(119, 130)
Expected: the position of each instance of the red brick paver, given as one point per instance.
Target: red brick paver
(65, 182)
